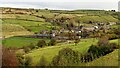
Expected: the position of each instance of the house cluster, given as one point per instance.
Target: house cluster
(64, 34)
(56, 34)
(74, 32)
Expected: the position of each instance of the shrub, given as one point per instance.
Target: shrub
(20, 58)
(114, 45)
(76, 41)
(93, 52)
(112, 36)
(52, 42)
(24, 61)
(29, 30)
(26, 49)
(42, 62)
(87, 57)
(31, 46)
(97, 51)
(66, 57)
(27, 61)
(103, 41)
(36, 10)
(41, 43)
(106, 49)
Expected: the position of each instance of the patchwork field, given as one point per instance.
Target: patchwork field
(21, 17)
(30, 25)
(9, 30)
(75, 29)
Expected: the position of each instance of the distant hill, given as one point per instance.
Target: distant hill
(35, 20)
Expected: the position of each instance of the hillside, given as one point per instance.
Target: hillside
(108, 60)
(50, 52)
(9, 30)
(30, 25)
(90, 37)
(35, 20)
(13, 41)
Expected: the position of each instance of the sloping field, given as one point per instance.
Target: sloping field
(45, 13)
(98, 19)
(50, 52)
(115, 41)
(107, 60)
(65, 16)
(21, 16)
(30, 25)
(20, 41)
(14, 30)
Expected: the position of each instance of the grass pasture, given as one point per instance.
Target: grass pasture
(106, 19)
(45, 13)
(115, 26)
(86, 12)
(14, 30)
(110, 59)
(30, 25)
(20, 41)
(50, 52)
(115, 41)
(22, 16)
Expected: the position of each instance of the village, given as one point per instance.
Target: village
(73, 33)
(44, 37)
(67, 32)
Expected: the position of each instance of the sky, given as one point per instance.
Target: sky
(62, 4)
(59, 0)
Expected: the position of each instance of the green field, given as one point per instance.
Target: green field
(103, 19)
(21, 16)
(30, 25)
(45, 13)
(14, 30)
(50, 52)
(20, 41)
(115, 41)
(115, 26)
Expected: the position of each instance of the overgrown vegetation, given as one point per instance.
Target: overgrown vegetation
(9, 58)
(102, 48)
(66, 57)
